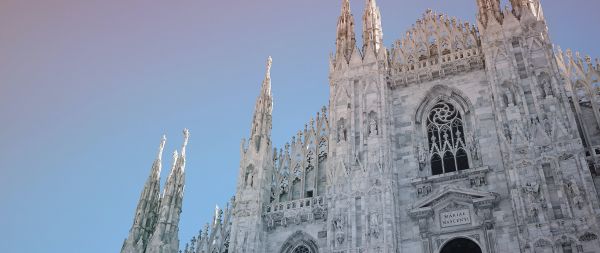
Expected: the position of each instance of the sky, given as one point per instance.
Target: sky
(87, 88)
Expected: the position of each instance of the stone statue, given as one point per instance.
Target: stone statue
(373, 128)
(509, 98)
(546, 87)
(532, 188)
(374, 228)
(472, 142)
(338, 228)
(269, 64)
(341, 132)
(421, 156)
(573, 190)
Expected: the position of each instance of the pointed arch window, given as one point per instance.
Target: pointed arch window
(302, 249)
(446, 138)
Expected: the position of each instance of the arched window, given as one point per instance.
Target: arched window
(446, 137)
(302, 249)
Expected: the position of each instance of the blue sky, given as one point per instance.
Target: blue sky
(87, 88)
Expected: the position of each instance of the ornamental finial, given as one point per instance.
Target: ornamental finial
(161, 147)
(269, 64)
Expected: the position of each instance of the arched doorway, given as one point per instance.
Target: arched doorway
(461, 245)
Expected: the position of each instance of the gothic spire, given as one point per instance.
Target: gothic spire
(261, 122)
(165, 236)
(527, 6)
(147, 208)
(346, 38)
(488, 10)
(372, 30)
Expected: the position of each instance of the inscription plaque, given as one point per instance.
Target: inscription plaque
(455, 218)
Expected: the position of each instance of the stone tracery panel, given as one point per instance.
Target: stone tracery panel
(445, 134)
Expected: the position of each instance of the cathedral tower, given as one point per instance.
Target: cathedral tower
(359, 172)
(539, 136)
(256, 163)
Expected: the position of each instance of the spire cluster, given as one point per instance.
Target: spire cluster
(153, 227)
(346, 37)
(491, 11)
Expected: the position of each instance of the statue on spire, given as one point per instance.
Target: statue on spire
(161, 147)
(269, 64)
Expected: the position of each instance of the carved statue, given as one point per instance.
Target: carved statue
(477, 180)
(472, 142)
(533, 213)
(338, 228)
(509, 98)
(374, 228)
(532, 188)
(373, 128)
(424, 190)
(546, 86)
(421, 156)
(573, 190)
(269, 64)
(507, 133)
(341, 134)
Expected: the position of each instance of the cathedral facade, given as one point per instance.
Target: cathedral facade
(458, 138)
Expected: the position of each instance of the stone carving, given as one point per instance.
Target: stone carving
(477, 180)
(473, 143)
(545, 85)
(249, 177)
(423, 190)
(373, 129)
(508, 98)
(339, 229)
(374, 227)
(507, 132)
(565, 156)
(422, 156)
(574, 193)
(588, 236)
(532, 189)
(434, 42)
(342, 134)
(532, 192)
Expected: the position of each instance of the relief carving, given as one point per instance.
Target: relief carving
(575, 194)
(339, 229)
(374, 227)
(422, 156)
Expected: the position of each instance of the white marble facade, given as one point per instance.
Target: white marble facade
(458, 138)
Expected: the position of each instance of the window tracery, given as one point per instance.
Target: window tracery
(446, 138)
(301, 249)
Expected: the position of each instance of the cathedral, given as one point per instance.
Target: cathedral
(470, 138)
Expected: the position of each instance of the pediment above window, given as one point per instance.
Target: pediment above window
(440, 199)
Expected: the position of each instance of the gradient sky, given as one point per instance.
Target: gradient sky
(87, 88)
